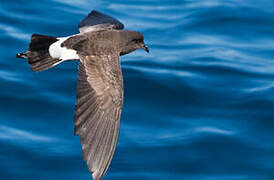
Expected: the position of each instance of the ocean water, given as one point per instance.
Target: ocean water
(199, 106)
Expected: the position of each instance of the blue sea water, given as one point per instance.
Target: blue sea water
(199, 106)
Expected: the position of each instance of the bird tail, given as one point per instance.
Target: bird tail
(38, 55)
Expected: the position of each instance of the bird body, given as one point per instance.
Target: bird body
(99, 97)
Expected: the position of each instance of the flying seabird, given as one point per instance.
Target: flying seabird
(99, 99)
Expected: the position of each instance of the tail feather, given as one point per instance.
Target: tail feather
(38, 53)
(40, 42)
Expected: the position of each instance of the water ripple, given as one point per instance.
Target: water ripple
(198, 106)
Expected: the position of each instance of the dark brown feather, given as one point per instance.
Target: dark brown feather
(98, 109)
(41, 42)
(38, 55)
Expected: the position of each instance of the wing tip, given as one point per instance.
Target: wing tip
(102, 18)
(96, 176)
(94, 11)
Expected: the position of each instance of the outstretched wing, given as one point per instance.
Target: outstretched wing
(98, 21)
(98, 110)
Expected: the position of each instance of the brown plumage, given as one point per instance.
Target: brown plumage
(100, 83)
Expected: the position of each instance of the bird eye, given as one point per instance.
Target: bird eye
(137, 40)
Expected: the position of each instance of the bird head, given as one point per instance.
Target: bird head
(134, 40)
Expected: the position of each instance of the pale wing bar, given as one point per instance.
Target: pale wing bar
(98, 21)
(98, 111)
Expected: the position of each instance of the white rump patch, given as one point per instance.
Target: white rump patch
(63, 53)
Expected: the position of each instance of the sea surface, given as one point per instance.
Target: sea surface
(199, 106)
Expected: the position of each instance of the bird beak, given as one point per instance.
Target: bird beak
(146, 48)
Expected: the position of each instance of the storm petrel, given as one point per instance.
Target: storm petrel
(99, 99)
